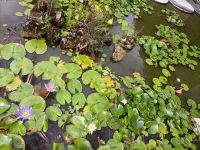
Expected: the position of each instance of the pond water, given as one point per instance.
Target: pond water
(133, 62)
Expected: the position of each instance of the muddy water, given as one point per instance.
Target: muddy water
(134, 61)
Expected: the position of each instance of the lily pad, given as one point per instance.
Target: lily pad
(39, 46)
(24, 65)
(37, 103)
(12, 50)
(53, 113)
(4, 105)
(25, 90)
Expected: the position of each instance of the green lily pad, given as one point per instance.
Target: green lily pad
(24, 65)
(4, 105)
(6, 76)
(74, 85)
(78, 99)
(12, 50)
(39, 46)
(63, 96)
(37, 103)
(73, 71)
(25, 90)
(53, 113)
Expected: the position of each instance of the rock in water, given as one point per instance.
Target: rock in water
(162, 1)
(118, 54)
(34, 26)
(58, 18)
(122, 47)
(183, 5)
(53, 37)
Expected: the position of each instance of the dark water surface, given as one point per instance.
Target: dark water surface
(134, 61)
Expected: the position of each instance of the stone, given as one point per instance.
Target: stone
(58, 18)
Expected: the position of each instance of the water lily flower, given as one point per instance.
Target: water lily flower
(50, 87)
(24, 113)
(92, 127)
(178, 79)
(124, 101)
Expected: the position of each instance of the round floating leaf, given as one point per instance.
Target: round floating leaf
(90, 76)
(25, 90)
(4, 105)
(5, 140)
(83, 60)
(98, 102)
(75, 132)
(11, 141)
(24, 65)
(117, 110)
(17, 142)
(53, 113)
(63, 96)
(82, 144)
(37, 103)
(6, 76)
(45, 68)
(17, 128)
(78, 128)
(12, 50)
(73, 71)
(38, 46)
(16, 82)
(74, 85)
(79, 99)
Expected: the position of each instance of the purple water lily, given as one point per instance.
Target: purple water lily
(24, 113)
(50, 87)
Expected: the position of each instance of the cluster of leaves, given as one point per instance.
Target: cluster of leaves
(170, 48)
(121, 9)
(173, 17)
(106, 10)
(134, 113)
(17, 95)
(29, 6)
(148, 112)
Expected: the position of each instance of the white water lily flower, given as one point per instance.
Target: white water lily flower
(92, 127)
(178, 79)
(124, 101)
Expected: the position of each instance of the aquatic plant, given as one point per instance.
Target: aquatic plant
(24, 113)
(50, 87)
(170, 48)
(173, 17)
